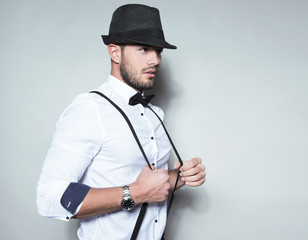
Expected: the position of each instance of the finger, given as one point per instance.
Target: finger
(162, 170)
(176, 165)
(194, 178)
(191, 164)
(195, 183)
(193, 171)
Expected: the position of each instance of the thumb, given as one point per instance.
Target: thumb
(176, 165)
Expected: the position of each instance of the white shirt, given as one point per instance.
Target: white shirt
(94, 145)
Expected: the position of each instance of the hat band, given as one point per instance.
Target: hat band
(139, 34)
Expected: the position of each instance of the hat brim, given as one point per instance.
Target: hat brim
(149, 42)
(150, 37)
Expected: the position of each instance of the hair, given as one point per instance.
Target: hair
(122, 46)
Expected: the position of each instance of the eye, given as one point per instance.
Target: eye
(144, 49)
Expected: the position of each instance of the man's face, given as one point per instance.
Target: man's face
(139, 65)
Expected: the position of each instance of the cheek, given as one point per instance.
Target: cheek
(134, 69)
(136, 66)
(138, 69)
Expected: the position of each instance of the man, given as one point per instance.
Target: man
(94, 169)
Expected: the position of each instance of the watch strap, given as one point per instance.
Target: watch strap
(126, 191)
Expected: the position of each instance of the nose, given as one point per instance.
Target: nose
(155, 58)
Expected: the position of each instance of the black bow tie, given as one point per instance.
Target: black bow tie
(139, 98)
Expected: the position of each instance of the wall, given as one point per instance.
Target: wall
(234, 93)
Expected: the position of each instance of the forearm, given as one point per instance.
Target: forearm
(106, 200)
(150, 186)
(100, 201)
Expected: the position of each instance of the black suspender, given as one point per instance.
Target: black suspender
(144, 205)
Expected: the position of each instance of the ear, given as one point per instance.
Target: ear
(114, 53)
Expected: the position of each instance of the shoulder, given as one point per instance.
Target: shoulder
(86, 103)
(81, 103)
(82, 112)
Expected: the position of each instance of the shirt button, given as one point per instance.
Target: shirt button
(142, 114)
(152, 138)
(156, 221)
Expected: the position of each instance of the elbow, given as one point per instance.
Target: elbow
(48, 201)
(41, 205)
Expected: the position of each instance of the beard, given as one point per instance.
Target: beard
(130, 77)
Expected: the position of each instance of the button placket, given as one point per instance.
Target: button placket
(141, 108)
(153, 143)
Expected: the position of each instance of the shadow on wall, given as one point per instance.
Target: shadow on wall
(166, 89)
(186, 200)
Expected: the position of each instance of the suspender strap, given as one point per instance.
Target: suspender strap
(178, 157)
(129, 124)
(139, 221)
(144, 205)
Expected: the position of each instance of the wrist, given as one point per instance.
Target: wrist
(173, 176)
(135, 193)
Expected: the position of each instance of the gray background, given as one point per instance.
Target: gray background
(234, 93)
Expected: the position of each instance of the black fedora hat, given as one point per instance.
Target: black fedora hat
(136, 24)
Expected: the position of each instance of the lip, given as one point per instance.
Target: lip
(151, 72)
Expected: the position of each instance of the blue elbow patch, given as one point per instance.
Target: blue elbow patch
(73, 196)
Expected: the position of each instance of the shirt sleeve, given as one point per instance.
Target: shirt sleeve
(77, 140)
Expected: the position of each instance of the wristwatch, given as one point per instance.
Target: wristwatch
(127, 201)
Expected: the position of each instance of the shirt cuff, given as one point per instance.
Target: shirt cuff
(73, 196)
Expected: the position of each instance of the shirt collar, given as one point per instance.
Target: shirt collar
(121, 88)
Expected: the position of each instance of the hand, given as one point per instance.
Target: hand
(150, 186)
(192, 172)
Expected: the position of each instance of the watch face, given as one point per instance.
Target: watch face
(128, 204)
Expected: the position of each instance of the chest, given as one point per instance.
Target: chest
(120, 155)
